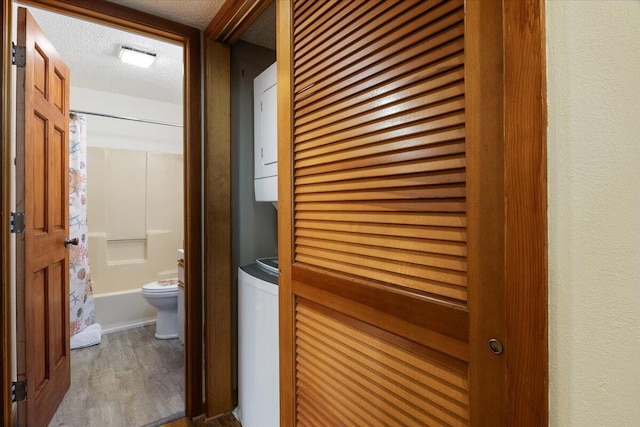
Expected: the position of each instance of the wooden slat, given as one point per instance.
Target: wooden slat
(379, 211)
(299, 6)
(309, 15)
(384, 159)
(422, 245)
(418, 232)
(453, 205)
(388, 94)
(348, 31)
(350, 362)
(429, 165)
(440, 261)
(382, 124)
(359, 60)
(312, 414)
(316, 16)
(386, 194)
(334, 362)
(343, 12)
(442, 128)
(342, 122)
(429, 219)
(434, 287)
(442, 60)
(415, 180)
(384, 27)
(448, 42)
(383, 265)
(339, 337)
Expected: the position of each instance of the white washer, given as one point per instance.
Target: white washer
(258, 364)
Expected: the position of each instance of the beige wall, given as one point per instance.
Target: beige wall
(134, 186)
(593, 51)
(135, 219)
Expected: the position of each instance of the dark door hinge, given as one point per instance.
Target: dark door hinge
(18, 55)
(18, 391)
(17, 222)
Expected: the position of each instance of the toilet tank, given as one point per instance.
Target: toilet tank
(265, 136)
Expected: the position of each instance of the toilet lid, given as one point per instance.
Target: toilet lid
(164, 285)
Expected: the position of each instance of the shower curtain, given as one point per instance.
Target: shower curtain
(81, 295)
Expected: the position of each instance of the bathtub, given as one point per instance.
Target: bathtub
(117, 311)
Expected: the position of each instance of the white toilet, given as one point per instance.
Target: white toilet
(163, 295)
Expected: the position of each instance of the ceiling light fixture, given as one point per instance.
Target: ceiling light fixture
(136, 57)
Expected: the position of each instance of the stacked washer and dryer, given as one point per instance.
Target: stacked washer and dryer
(258, 355)
(258, 364)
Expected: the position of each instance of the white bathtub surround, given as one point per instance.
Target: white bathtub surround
(123, 266)
(118, 311)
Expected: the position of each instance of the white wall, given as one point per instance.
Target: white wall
(593, 51)
(112, 133)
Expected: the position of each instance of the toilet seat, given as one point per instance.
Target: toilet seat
(164, 286)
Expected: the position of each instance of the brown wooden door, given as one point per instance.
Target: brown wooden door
(42, 178)
(392, 207)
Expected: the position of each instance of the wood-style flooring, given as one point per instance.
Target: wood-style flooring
(225, 421)
(130, 379)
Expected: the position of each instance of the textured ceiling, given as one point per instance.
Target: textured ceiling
(199, 13)
(196, 13)
(263, 31)
(91, 50)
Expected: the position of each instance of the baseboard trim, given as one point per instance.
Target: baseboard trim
(166, 420)
(124, 327)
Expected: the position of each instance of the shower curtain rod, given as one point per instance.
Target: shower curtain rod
(133, 119)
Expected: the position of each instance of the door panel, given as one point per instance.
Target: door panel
(334, 361)
(42, 165)
(391, 232)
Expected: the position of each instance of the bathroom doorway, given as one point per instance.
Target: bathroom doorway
(139, 250)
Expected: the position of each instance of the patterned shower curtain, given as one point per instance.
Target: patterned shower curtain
(81, 295)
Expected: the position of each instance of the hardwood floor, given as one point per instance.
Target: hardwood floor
(225, 421)
(131, 379)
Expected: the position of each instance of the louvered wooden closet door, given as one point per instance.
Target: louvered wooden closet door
(391, 256)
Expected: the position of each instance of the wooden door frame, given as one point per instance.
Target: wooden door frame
(225, 28)
(127, 19)
(525, 212)
(5, 202)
